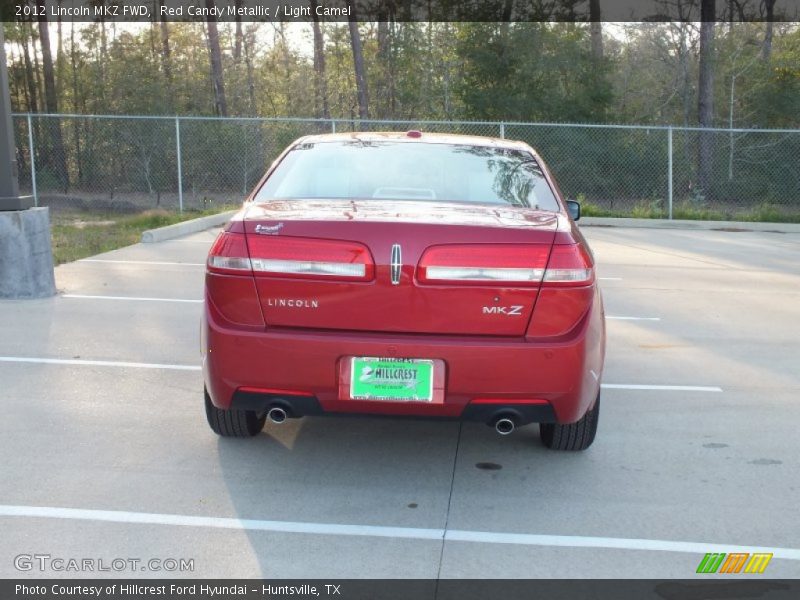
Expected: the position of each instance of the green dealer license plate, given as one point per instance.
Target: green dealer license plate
(398, 379)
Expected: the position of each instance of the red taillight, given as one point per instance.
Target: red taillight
(520, 264)
(569, 264)
(228, 254)
(566, 293)
(309, 258)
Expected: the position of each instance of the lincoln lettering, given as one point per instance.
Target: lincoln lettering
(290, 303)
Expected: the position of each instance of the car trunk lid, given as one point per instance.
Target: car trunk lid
(356, 265)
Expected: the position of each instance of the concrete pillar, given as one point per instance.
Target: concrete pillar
(26, 261)
(26, 258)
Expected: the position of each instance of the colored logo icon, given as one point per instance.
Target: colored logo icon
(735, 562)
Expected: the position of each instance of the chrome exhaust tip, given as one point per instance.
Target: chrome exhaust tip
(504, 426)
(276, 415)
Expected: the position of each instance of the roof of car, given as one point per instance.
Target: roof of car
(416, 136)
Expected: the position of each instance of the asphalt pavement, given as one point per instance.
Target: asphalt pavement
(107, 454)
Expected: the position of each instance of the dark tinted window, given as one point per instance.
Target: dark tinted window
(410, 171)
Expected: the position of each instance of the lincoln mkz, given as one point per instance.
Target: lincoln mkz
(405, 275)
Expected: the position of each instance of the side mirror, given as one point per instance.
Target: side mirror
(574, 209)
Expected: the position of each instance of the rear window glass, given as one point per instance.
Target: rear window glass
(410, 171)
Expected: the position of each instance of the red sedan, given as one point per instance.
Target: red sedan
(405, 274)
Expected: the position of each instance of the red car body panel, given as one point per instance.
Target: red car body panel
(307, 362)
(414, 308)
(288, 338)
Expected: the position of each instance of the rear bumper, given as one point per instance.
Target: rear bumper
(534, 380)
(309, 406)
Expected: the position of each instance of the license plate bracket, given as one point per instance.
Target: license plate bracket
(392, 379)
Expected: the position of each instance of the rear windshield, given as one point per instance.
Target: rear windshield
(356, 169)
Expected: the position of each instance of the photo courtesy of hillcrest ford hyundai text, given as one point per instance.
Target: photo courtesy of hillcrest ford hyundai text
(407, 275)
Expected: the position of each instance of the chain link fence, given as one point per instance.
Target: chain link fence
(136, 163)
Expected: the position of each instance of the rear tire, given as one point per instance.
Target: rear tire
(574, 436)
(233, 422)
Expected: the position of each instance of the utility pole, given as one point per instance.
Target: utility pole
(9, 187)
(26, 258)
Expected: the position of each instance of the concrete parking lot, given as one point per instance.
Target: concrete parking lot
(106, 452)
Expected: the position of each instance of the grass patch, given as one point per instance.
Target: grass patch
(692, 212)
(687, 210)
(771, 214)
(592, 210)
(76, 235)
(648, 210)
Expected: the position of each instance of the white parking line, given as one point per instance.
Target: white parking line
(85, 297)
(140, 262)
(633, 318)
(455, 535)
(97, 363)
(579, 541)
(663, 388)
(610, 278)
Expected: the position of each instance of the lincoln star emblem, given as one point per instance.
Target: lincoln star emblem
(397, 264)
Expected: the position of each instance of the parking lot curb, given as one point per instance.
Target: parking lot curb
(185, 227)
(690, 224)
